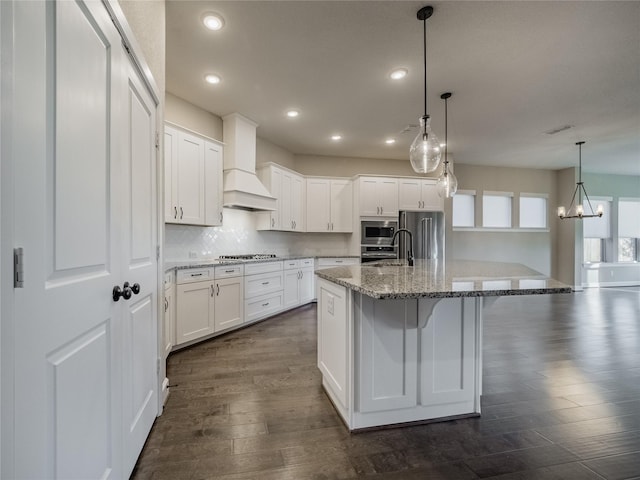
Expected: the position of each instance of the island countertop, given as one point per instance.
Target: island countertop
(442, 279)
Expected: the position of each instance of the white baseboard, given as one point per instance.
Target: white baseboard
(165, 390)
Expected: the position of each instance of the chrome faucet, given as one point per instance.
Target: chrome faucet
(410, 251)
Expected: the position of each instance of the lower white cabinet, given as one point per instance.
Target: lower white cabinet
(195, 311)
(263, 290)
(262, 306)
(168, 329)
(229, 302)
(298, 282)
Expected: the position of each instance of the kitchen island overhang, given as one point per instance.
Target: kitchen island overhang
(399, 344)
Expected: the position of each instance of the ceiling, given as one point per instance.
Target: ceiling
(516, 70)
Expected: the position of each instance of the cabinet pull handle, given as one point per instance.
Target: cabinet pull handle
(265, 283)
(197, 274)
(229, 271)
(381, 209)
(220, 217)
(338, 261)
(175, 212)
(217, 289)
(265, 304)
(181, 213)
(328, 226)
(211, 290)
(166, 304)
(331, 225)
(273, 222)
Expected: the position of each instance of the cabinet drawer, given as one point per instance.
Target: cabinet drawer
(338, 261)
(265, 267)
(168, 279)
(291, 264)
(263, 306)
(223, 271)
(195, 275)
(307, 262)
(256, 285)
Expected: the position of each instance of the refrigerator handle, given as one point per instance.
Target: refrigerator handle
(427, 238)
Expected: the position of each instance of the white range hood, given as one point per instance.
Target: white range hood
(242, 189)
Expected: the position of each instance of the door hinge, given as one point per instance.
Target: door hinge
(157, 252)
(157, 141)
(18, 268)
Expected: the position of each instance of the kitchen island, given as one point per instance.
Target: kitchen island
(400, 344)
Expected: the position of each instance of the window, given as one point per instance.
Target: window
(533, 210)
(596, 232)
(496, 209)
(628, 229)
(464, 209)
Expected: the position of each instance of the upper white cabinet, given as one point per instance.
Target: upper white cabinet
(378, 196)
(329, 205)
(193, 178)
(419, 194)
(288, 188)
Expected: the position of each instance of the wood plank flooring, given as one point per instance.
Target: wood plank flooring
(561, 401)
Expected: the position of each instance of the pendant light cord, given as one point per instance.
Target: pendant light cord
(446, 137)
(424, 50)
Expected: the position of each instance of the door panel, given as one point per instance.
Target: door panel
(80, 383)
(140, 342)
(83, 57)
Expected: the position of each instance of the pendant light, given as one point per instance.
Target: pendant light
(447, 183)
(425, 153)
(578, 211)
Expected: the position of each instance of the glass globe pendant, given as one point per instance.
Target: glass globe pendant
(425, 152)
(447, 183)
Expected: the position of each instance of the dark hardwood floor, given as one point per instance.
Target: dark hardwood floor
(561, 400)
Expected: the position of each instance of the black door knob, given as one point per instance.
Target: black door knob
(135, 288)
(118, 292)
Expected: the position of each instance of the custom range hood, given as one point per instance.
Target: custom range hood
(242, 189)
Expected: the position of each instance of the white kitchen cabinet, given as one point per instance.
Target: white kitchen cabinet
(419, 194)
(229, 303)
(288, 188)
(263, 290)
(329, 262)
(169, 314)
(329, 205)
(193, 178)
(378, 196)
(195, 311)
(298, 282)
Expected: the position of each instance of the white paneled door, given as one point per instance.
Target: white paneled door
(85, 386)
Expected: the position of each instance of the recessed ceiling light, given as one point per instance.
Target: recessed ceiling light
(293, 113)
(213, 21)
(399, 73)
(212, 78)
(336, 137)
(390, 141)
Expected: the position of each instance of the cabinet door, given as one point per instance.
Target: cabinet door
(276, 191)
(169, 320)
(297, 203)
(291, 291)
(387, 192)
(190, 179)
(410, 194)
(306, 285)
(194, 312)
(369, 203)
(170, 175)
(319, 205)
(213, 183)
(430, 199)
(341, 206)
(286, 220)
(229, 303)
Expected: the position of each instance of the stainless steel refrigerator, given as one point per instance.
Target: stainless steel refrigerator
(427, 229)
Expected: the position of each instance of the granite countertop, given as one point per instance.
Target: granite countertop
(438, 279)
(204, 263)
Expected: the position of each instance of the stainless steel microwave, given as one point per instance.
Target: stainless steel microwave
(377, 232)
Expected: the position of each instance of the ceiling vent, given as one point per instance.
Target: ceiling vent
(553, 131)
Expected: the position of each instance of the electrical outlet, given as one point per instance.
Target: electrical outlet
(193, 254)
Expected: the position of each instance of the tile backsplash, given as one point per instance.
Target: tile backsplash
(238, 235)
